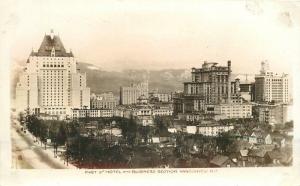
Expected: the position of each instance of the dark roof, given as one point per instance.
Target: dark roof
(257, 153)
(267, 147)
(275, 154)
(48, 44)
(219, 160)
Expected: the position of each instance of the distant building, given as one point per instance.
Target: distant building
(214, 129)
(222, 161)
(162, 110)
(229, 111)
(159, 96)
(91, 113)
(103, 101)
(210, 84)
(271, 87)
(272, 113)
(51, 83)
(247, 91)
(129, 95)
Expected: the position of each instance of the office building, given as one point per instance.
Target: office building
(103, 101)
(129, 95)
(271, 87)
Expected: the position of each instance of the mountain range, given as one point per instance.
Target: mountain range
(100, 80)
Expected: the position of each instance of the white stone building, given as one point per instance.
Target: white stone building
(92, 113)
(229, 111)
(214, 130)
(271, 87)
(129, 95)
(51, 82)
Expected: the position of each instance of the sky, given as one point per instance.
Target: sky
(118, 35)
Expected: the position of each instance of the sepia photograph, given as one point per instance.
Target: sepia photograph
(141, 86)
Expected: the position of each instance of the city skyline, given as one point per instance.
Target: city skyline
(161, 89)
(117, 36)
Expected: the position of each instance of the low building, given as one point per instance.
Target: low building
(272, 113)
(214, 129)
(159, 96)
(162, 110)
(145, 120)
(191, 117)
(44, 116)
(93, 113)
(257, 156)
(112, 131)
(191, 129)
(229, 111)
(222, 161)
(260, 138)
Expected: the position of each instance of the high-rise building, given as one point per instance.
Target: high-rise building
(129, 95)
(210, 84)
(51, 82)
(271, 87)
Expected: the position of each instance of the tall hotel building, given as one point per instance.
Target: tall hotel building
(271, 87)
(129, 95)
(51, 82)
(210, 85)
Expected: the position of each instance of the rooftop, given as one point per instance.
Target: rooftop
(49, 44)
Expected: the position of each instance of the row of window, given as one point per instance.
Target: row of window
(53, 66)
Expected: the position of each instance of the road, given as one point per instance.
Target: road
(30, 155)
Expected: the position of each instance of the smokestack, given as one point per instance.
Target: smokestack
(229, 82)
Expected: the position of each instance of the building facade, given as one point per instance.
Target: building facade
(129, 95)
(271, 87)
(272, 114)
(91, 113)
(214, 130)
(230, 111)
(160, 96)
(210, 84)
(103, 101)
(51, 82)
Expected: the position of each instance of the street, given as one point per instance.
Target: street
(29, 155)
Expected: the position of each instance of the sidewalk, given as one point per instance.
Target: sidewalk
(39, 151)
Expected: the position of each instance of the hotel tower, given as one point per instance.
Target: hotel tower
(51, 82)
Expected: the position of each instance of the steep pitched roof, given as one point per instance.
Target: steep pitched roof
(48, 44)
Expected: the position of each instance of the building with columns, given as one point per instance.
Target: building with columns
(51, 82)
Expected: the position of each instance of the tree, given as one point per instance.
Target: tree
(61, 135)
(129, 130)
(223, 141)
(145, 131)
